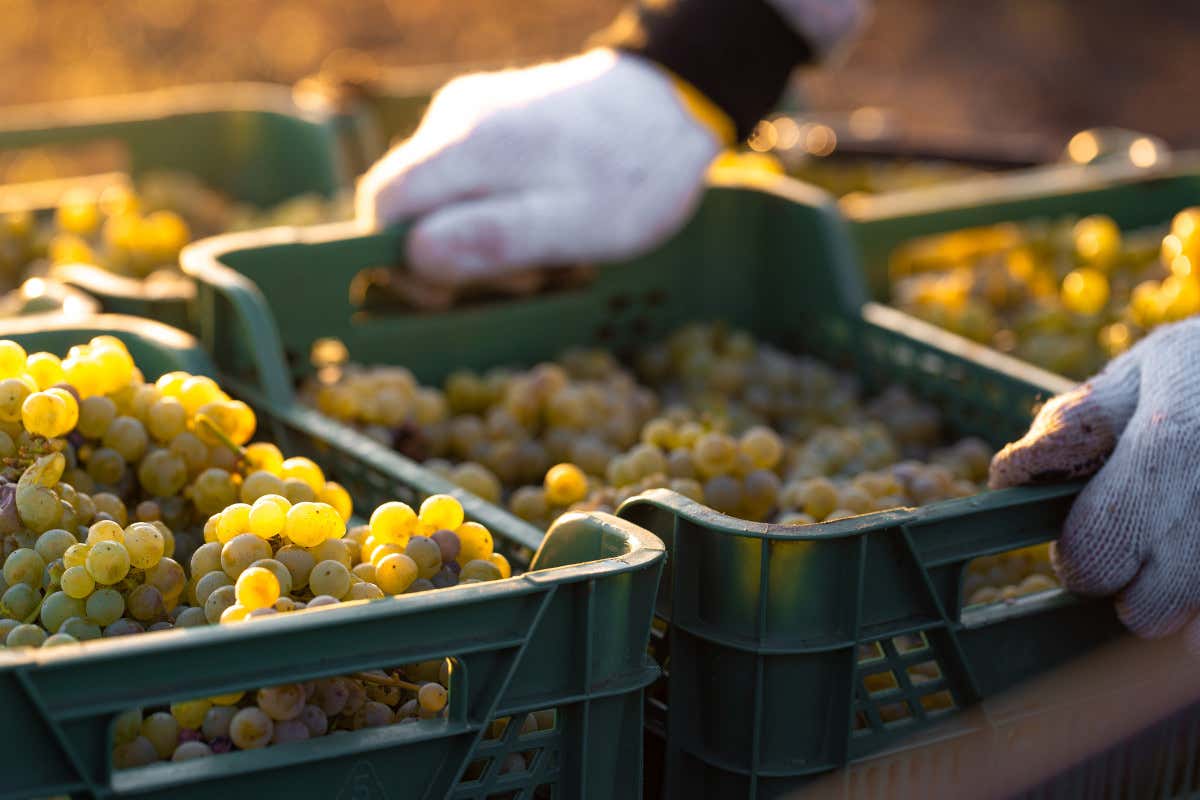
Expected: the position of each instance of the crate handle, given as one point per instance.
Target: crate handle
(178, 664)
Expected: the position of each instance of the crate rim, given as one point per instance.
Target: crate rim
(1014, 187)
(163, 102)
(643, 549)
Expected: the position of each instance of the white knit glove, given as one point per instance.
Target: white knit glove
(591, 158)
(1134, 530)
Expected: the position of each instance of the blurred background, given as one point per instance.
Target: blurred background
(1044, 67)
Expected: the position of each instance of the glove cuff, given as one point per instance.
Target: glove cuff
(704, 110)
(739, 55)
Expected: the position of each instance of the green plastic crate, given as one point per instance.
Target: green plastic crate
(253, 142)
(571, 634)
(764, 621)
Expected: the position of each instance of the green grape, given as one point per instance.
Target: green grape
(24, 566)
(191, 750)
(19, 601)
(213, 491)
(53, 544)
(330, 578)
(145, 545)
(106, 466)
(209, 583)
(162, 473)
(77, 582)
(163, 732)
(191, 449)
(25, 636)
(260, 483)
(96, 413)
(299, 563)
(715, 453)
(480, 570)
(53, 575)
(110, 504)
(724, 493)
(13, 393)
(478, 480)
(166, 419)
(251, 728)
(762, 446)
(127, 726)
(282, 702)
(6, 627)
(760, 493)
(217, 720)
(146, 604)
(332, 550)
(108, 562)
(680, 464)
(128, 437)
(426, 554)
(167, 576)
(218, 601)
(147, 511)
(206, 559)
(241, 551)
(432, 697)
(137, 753)
(297, 491)
(58, 607)
(529, 503)
(105, 606)
(191, 617)
(82, 629)
(363, 591)
(59, 639)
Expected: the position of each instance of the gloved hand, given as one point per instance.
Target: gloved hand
(593, 158)
(1134, 530)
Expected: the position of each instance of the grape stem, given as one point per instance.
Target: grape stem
(382, 679)
(206, 422)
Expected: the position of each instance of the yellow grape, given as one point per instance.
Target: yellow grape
(393, 522)
(12, 358)
(45, 369)
(441, 512)
(257, 587)
(46, 414)
(268, 516)
(475, 543)
(309, 524)
(335, 495)
(305, 470)
(564, 483)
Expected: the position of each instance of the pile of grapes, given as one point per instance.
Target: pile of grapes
(1066, 295)
(137, 231)
(128, 506)
(846, 176)
(710, 413)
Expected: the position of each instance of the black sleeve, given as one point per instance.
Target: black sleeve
(738, 53)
